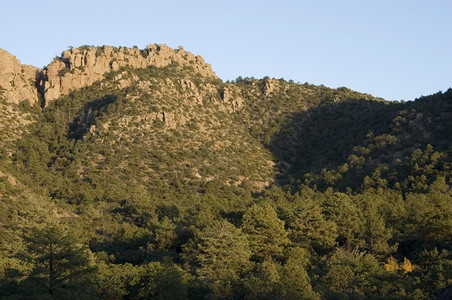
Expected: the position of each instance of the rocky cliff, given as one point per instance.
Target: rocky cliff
(80, 67)
(17, 81)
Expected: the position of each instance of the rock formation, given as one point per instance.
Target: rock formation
(231, 96)
(17, 81)
(80, 67)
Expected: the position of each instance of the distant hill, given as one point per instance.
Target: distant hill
(142, 164)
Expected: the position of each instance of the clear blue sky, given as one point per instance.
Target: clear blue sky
(395, 49)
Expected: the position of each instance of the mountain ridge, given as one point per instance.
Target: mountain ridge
(166, 182)
(82, 66)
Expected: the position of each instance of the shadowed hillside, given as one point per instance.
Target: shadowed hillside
(324, 137)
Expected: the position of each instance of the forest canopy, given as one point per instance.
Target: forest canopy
(252, 189)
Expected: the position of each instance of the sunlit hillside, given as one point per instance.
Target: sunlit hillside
(153, 178)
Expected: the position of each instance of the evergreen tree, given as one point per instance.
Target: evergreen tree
(429, 215)
(163, 281)
(310, 229)
(218, 255)
(376, 234)
(263, 281)
(295, 280)
(62, 267)
(340, 209)
(351, 273)
(265, 232)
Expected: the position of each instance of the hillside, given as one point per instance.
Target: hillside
(153, 178)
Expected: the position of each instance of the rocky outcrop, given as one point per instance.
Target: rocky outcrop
(17, 81)
(270, 85)
(80, 67)
(231, 96)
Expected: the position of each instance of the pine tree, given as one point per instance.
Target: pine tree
(61, 265)
(376, 235)
(310, 229)
(217, 256)
(265, 232)
(295, 279)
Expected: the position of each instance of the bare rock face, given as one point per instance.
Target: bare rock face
(270, 86)
(232, 97)
(17, 81)
(80, 67)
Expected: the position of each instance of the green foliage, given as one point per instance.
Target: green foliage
(217, 256)
(65, 71)
(428, 215)
(167, 184)
(435, 269)
(115, 281)
(263, 281)
(310, 229)
(351, 273)
(265, 231)
(376, 234)
(295, 279)
(163, 281)
(26, 107)
(343, 211)
(61, 265)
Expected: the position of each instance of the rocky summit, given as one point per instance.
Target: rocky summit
(17, 81)
(80, 67)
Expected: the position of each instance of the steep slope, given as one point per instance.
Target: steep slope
(152, 127)
(172, 126)
(158, 173)
(17, 81)
(342, 144)
(18, 99)
(174, 123)
(80, 67)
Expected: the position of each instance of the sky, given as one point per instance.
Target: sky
(394, 49)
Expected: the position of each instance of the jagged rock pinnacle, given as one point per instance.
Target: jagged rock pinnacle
(80, 67)
(17, 81)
